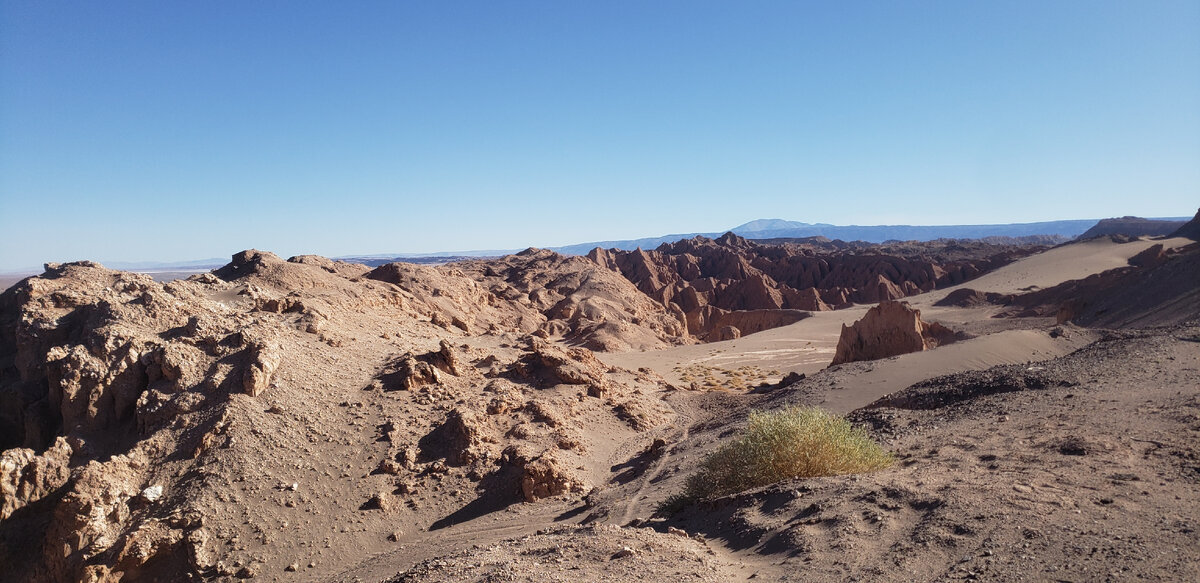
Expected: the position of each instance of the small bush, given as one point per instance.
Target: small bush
(797, 442)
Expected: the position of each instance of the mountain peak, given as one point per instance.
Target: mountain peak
(768, 225)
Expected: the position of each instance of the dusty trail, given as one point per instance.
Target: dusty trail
(647, 477)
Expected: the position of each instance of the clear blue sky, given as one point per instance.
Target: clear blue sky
(180, 130)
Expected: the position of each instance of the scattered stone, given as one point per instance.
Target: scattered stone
(152, 493)
(624, 552)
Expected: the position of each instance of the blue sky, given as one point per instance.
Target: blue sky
(181, 130)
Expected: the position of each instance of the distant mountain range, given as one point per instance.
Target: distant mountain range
(776, 229)
(782, 229)
(756, 229)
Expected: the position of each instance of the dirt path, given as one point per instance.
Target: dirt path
(647, 478)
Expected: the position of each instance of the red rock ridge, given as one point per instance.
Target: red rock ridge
(706, 278)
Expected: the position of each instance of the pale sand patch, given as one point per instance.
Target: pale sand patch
(805, 347)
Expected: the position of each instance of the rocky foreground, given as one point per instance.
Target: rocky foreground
(317, 420)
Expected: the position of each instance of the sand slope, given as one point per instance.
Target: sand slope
(1064, 263)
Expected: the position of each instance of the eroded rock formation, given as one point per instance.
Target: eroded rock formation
(27, 477)
(710, 281)
(889, 329)
(121, 396)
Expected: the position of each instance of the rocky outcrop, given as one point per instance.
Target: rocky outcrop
(752, 321)
(129, 409)
(1190, 229)
(26, 477)
(1131, 227)
(411, 371)
(263, 360)
(969, 298)
(459, 439)
(549, 364)
(889, 329)
(541, 475)
(539, 291)
(706, 281)
(1153, 256)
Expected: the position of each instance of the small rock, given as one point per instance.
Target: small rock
(389, 466)
(380, 501)
(152, 493)
(292, 567)
(624, 552)
(677, 531)
(1022, 488)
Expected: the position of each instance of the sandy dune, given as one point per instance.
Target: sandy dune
(1050, 268)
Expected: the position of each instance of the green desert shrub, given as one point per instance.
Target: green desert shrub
(796, 442)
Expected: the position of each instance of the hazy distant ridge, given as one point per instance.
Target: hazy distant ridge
(783, 229)
(881, 233)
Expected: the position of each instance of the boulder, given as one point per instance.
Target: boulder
(459, 439)
(263, 360)
(889, 329)
(541, 476)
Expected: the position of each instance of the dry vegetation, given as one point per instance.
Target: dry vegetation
(796, 442)
(715, 378)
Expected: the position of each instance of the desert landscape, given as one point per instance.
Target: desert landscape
(536, 417)
(619, 292)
